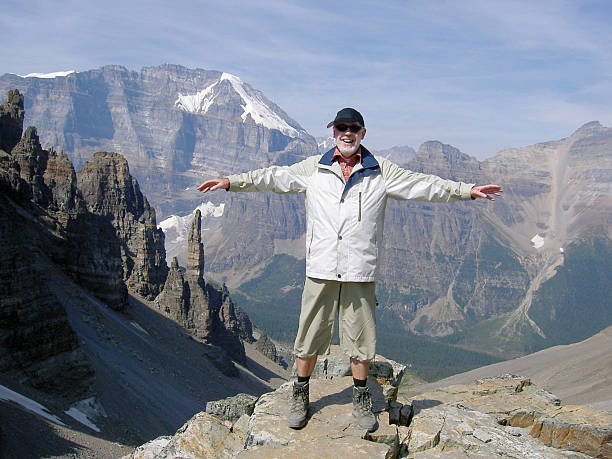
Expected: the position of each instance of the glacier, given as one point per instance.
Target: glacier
(254, 105)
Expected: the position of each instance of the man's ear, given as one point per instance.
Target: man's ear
(363, 131)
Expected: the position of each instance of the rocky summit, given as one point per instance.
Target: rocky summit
(504, 416)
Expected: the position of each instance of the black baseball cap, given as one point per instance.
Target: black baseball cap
(347, 115)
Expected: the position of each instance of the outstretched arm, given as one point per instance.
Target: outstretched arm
(484, 191)
(215, 184)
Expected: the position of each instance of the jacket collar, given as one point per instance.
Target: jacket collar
(369, 166)
(367, 158)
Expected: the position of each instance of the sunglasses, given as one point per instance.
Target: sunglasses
(354, 128)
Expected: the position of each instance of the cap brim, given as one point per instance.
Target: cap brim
(331, 123)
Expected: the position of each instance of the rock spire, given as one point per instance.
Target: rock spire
(205, 310)
(195, 249)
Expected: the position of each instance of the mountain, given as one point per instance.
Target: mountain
(398, 155)
(88, 323)
(174, 125)
(469, 276)
(468, 283)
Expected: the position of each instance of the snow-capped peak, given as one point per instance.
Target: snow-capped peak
(254, 104)
(48, 75)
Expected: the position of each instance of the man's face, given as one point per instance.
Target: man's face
(347, 141)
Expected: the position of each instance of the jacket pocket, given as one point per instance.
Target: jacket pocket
(359, 215)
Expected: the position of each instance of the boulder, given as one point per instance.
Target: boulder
(203, 436)
(330, 423)
(336, 363)
(232, 408)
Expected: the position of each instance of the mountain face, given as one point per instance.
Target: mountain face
(175, 126)
(472, 274)
(476, 275)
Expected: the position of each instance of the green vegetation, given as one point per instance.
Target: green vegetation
(484, 335)
(272, 300)
(577, 302)
(430, 359)
(497, 264)
(571, 306)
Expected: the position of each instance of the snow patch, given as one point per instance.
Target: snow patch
(8, 395)
(82, 418)
(537, 241)
(199, 102)
(325, 144)
(138, 327)
(254, 104)
(48, 75)
(86, 410)
(179, 226)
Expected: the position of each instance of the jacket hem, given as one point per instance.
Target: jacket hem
(328, 276)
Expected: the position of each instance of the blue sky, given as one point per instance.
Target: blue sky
(479, 75)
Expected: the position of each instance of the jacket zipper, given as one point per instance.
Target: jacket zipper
(311, 237)
(360, 206)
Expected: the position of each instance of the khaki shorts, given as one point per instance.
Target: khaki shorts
(353, 302)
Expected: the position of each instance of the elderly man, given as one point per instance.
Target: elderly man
(346, 194)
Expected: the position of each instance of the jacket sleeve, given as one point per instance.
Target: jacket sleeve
(405, 184)
(280, 179)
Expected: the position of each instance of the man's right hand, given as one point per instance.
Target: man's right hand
(215, 184)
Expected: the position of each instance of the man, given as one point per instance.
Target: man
(346, 194)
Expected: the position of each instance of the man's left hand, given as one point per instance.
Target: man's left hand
(485, 191)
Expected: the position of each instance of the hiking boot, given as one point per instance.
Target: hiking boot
(362, 409)
(298, 406)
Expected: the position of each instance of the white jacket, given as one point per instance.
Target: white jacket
(345, 219)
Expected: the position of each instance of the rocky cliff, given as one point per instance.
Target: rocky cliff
(37, 343)
(109, 191)
(97, 227)
(71, 333)
(11, 120)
